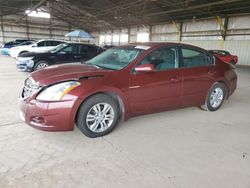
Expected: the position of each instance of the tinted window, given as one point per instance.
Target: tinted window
(48, 43)
(88, 49)
(52, 43)
(73, 49)
(55, 43)
(163, 58)
(194, 58)
(41, 44)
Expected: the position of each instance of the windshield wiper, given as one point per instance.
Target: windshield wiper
(92, 65)
(106, 68)
(97, 66)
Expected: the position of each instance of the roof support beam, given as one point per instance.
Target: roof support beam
(2, 28)
(192, 7)
(42, 2)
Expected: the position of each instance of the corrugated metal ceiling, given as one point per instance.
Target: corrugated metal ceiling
(95, 15)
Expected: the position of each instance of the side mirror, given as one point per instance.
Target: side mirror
(145, 68)
(34, 45)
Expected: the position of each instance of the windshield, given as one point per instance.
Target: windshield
(115, 58)
(58, 48)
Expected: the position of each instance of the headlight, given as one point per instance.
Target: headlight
(58, 91)
(27, 60)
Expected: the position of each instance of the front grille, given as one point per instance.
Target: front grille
(29, 88)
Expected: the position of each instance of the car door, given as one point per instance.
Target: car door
(68, 54)
(158, 90)
(88, 52)
(39, 47)
(198, 73)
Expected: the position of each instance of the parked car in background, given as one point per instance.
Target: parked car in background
(6, 51)
(8, 45)
(225, 56)
(122, 82)
(39, 46)
(63, 53)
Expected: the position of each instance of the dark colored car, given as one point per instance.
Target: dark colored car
(123, 82)
(64, 53)
(225, 56)
(108, 46)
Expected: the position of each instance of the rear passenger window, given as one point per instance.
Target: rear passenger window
(194, 58)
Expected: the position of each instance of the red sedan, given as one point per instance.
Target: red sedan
(225, 56)
(123, 82)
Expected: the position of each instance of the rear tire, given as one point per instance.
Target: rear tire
(97, 116)
(215, 97)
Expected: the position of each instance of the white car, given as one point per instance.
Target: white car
(39, 46)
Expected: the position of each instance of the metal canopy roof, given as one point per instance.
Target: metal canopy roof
(95, 15)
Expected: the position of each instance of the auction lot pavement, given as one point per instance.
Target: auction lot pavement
(181, 148)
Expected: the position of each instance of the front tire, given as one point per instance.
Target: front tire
(41, 65)
(97, 116)
(215, 97)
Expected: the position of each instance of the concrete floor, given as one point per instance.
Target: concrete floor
(182, 148)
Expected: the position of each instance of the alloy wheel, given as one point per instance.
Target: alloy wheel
(100, 117)
(41, 66)
(216, 97)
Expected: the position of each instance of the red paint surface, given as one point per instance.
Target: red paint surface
(141, 93)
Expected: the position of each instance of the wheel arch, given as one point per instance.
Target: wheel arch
(226, 87)
(23, 51)
(113, 95)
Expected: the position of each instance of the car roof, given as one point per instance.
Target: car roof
(158, 44)
(50, 40)
(217, 51)
(69, 42)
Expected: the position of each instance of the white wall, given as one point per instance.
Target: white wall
(204, 33)
(34, 28)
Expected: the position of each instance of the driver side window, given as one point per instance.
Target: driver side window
(164, 58)
(71, 49)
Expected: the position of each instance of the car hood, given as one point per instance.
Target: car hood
(59, 73)
(33, 54)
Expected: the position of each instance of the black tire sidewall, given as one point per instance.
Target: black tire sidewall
(208, 104)
(86, 106)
